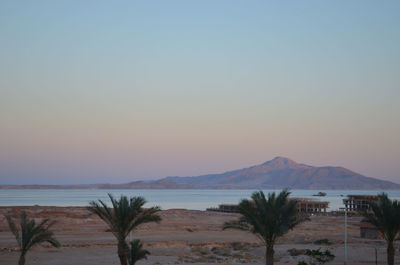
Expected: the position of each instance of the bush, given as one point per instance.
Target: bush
(318, 257)
(323, 241)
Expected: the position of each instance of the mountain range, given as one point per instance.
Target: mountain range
(277, 173)
(282, 172)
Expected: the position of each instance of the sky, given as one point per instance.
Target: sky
(117, 91)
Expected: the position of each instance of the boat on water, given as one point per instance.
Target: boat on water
(320, 194)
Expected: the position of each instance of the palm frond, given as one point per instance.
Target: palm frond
(145, 216)
(13, 229)
(42, 237)
(54, 242)
(101, 209)
(125, 215)
(137, 252)
(267, 217)
(385, 216)
(32, 234)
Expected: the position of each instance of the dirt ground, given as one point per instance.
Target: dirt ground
(185, 237)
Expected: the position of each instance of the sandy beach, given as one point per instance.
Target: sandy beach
(184, 237)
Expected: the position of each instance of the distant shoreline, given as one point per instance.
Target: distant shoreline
(194, 199)
(122, 187)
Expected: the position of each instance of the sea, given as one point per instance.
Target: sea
(166, 199)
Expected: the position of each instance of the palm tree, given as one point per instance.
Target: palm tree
(126, 215)
(385, 216)
(31, 234)
(137, 252)
(268, 219)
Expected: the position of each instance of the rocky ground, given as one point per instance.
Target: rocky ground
(185, 237)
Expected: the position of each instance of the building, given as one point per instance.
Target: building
(354, 203)
(369, 231)
(310, 206)
(225, 208)
(304, 205)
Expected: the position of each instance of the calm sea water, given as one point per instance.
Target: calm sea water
(167, 199)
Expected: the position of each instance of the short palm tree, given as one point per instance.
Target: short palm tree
(385, 216)
(31, 234)
(137, 252)
(125, 216)
(268, 219)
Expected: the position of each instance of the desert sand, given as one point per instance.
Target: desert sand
(184, 237)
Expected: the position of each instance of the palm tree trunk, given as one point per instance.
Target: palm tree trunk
(390, 254)
(21, 260)
(123, 253)
(269, 257)
(122, 259)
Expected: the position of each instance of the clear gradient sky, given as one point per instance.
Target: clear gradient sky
(99, 91)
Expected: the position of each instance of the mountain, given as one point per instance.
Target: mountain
(282, 172)
(277, 173)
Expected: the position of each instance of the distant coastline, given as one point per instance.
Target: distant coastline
(127, 187)
(166, 198)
